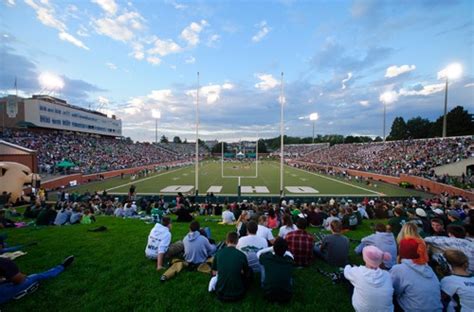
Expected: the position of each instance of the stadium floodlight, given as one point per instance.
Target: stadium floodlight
(388, 97)
(452, 72)
(155, 113)
(313, 117)
(282, 102)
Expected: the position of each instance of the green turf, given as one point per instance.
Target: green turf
(111, 273)
(210, 174)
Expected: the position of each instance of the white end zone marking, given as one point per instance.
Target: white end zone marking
(254, 189)
(177, 189)
(301, 190)
(214, 189)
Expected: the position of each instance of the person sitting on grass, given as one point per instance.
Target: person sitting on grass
(332, 216)
(456, 240)
(416, 286)
(17, 284)
(458, 288)
(277, 269)
(5, 222)
(287, 226)
(251, 244)
(228, 217)
(384, 241)
(300, 244)
(88, 217)
(350, 221)
(231, 272)
(334, 248)
(263, 231)
(159, 244)
(63, 216)
(46, 216)
(397, 221)
(76, 216)
(373, 289)
(437, 227)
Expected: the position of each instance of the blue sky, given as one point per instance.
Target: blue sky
(338, 58)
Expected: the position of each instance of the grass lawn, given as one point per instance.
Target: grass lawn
(111, 273)
(211, 174)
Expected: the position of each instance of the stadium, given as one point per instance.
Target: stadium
(326, 184)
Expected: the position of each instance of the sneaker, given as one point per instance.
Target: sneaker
(67, 261)
(163, 278)
(32, 288)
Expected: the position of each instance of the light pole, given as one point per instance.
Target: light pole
(388, 97)
(282, 102)
(313, 117)
(452, 72)
(196, 173)
(156, 114)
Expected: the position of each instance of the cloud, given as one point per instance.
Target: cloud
(179, 6)
(190, 60)
(364, 103)
(10, 2)
(213, 40)
(389, 97)
(164, 47)
(468, 85)
(70, 38)
(138, 51)
(109, 6)
(394, 71)
(344, 81)
(262, 32)
(267, 82)
(190, 34)
(423, 91)
(153, 60)
(121, 28)
(82, 31)
(212, 93)
(111, 65)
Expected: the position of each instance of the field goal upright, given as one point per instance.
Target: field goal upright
(239, 176)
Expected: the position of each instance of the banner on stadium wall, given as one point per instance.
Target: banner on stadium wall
(12, 106)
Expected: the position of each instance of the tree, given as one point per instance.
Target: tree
(459, 122)
(399, 129)
(177, 139)
(378, 139)
(262, 147)
(217, 149)
(418, 128)
(163, 139)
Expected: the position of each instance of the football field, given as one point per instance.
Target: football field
(222, 180)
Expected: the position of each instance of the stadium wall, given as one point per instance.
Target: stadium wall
(434, 187)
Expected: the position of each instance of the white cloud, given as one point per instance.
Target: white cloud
(349, 76)
(179, 6)
(109, 6)
(425, 91)
(213, 40)
(190, 60)
(10, 2)
(46, 14)
(469, 85)
(388, 97)
(51, 82)
(212, 93)
(161, 95)
(103, 100)
(364, 103)
(70, 38)
(262, 32)
(82, 31)
(153, 60)
(164, 47)
(120, 28)
(267, 82)
(394, 71)
(111, 65)
(190, 34)
(138, 51)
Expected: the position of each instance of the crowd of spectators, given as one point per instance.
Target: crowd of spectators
(413, 157)
(184, 149)
(91, 153)
(300, 150)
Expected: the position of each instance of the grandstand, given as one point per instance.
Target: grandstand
(300, 150)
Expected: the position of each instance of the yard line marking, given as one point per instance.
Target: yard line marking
(139, 181)
(335, 180)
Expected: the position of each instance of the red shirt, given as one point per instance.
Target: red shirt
(301, 244)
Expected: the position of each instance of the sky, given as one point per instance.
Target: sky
(344, 60)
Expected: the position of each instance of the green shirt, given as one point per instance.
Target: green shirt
(396, 223)
(278, 271)
(229, 264)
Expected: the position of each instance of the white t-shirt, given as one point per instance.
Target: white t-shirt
(373, 289)
(250, 245)
(285, 230)
(463, 286)
(158, 241)
(228, 217)
(264, 232)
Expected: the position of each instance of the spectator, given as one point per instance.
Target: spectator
(264, 231)
(228, 217)
(334, 248)
(416, 286)
(287, 227)
(251, 244)
(231, 271)
(460, 283)
(301, 243)
(373, 289)
(333, 216)
(437, 227)
(395, 224)
(384, 241)
(349, 220)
